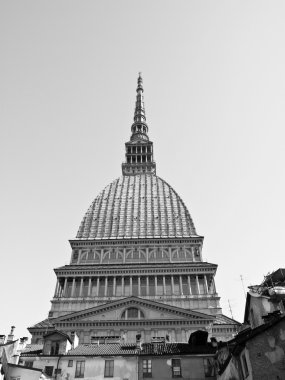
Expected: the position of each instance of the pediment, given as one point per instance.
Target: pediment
(151, 310)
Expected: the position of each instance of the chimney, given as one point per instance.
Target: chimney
(139, 341)
(2, 339)
(11, 335)
(74, 339)
(23, 343)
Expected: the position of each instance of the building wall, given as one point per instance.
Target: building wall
(23, 373)
(124, 367)
(191, 367)
(260, 306)
(267, 353)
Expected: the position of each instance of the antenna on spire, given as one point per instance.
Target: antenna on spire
(230, 309)
(241, 278)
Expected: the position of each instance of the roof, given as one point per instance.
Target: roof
(117, 349)
(32, 348)
(250, 333)
(138, 206)
(46, 323)
(222, 319)
(59, 333)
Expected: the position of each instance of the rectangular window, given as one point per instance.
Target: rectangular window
(147, 368)
(57, 371)
(49, 370)
(244, 364)
(109, 368)
(176, 368)
(80, 366)
(29, 364)
(70, 363)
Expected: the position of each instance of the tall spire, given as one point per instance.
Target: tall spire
(139, 150)
(139, 127)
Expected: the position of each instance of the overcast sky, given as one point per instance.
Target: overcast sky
(214, 84)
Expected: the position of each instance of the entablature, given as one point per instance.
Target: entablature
(135, 270)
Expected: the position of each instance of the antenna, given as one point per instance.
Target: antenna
(241, 278)
(230, 309)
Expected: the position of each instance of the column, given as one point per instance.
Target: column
(97, 288)
(56, 288)
(123, 286)
(164, 286)
(106, 286)
(64, 287)
(114, 286)
(73, 287)
(172, 285)
(81, 287)
(131, 285)
(189, 284)
(155, 285)
(170, 255)
(197, 282)
(89, 287)
(180, 283)
(206, 284)
(139, 285)
(147, 286)
(193, 253)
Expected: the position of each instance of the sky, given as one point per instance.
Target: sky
(214, 83)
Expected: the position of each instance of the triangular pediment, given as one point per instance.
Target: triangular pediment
(151, 310)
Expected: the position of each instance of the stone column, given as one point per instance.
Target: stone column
(64, 287)
(131, 285)
(73, 288)
(164, 286)
(89, 287)
(114, 286)
(180, 283)
(172, 285)
(147, 286)
(155, 285)
(139, 285)
(198, 287)
(98, 283)
(81, 287)
(189, 284)
(56, 288)
(193, 253)
(206, 284)
(106, 286)
(123, 286)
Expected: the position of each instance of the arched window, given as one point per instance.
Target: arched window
(132, 313)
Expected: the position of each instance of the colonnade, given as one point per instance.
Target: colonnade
(123, 286)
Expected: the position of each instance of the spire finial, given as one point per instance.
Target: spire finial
(139, 151)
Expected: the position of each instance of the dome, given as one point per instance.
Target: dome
(137, 206)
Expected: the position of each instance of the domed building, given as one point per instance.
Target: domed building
(136, 265)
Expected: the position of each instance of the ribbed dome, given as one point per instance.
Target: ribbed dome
(139, 206)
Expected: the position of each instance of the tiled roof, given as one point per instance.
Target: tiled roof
(46, 323)
(222, 319)
(147, 349)
(138, 206)
(32, 348)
